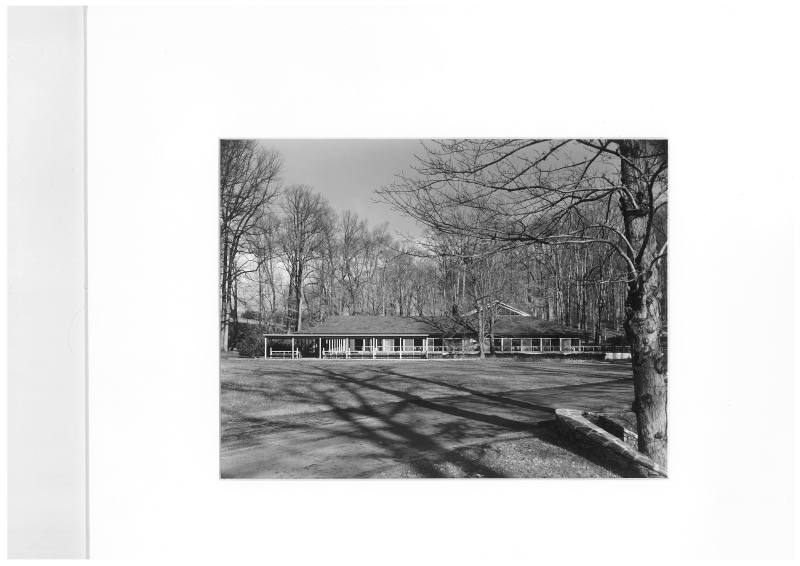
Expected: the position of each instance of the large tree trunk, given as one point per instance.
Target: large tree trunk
(226, 306)
(234, 318)
(643, 326)
(273, 295)
(598, 328)
(291, 301)
(224, 324)
(300, 298)
(224, 296)
(481, 354)
(642, 305)
(295, 300)
(492, 317)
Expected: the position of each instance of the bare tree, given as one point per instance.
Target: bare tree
(479, 268)
(556, 193)
(305, 231)
(262, 246)
(375, 259)
(352, 246)
(248, 183)
(398, 283)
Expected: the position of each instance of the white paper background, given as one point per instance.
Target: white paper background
(46, 404)
(717, 79)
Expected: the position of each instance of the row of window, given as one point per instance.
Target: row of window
(500, 344)
(535, 344)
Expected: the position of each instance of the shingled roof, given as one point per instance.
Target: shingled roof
(505, 325)
(385, 325)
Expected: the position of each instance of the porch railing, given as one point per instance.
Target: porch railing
(285, 354)
(417, 351)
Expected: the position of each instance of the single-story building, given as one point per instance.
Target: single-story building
(410, 337)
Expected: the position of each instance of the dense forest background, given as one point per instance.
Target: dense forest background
(289, 259)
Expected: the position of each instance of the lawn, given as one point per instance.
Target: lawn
(459, 418)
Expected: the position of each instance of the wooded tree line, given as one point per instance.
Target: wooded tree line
(361, 270)
(289, 260)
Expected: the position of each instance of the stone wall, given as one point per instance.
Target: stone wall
(616, 428)
(574, 425)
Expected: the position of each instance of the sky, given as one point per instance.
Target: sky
(347, 172)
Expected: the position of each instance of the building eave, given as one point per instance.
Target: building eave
(347, 335)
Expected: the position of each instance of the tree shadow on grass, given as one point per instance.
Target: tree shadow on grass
(395, 425)
(495, 397)
(545, 431)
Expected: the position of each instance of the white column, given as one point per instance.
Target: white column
(292, 347)
(265, 347)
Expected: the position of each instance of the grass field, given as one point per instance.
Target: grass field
(421, 418)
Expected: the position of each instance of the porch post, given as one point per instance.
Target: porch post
(401, 348)
(319, 351)
(265, 347)
(292, 347)
(541, 345)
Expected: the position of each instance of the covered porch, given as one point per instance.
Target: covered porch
(537, 344)
(328, 346)
(309, 345)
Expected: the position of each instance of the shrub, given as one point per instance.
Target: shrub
(236, 331)
(239, 331)
(249, 341)
(251, 345)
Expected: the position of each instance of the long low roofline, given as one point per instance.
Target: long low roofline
(347, 334)
(424, 327)
(575, 334)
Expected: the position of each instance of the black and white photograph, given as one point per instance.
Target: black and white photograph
(445, 308)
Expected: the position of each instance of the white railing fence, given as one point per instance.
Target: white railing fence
(284, 353)
(421, 351)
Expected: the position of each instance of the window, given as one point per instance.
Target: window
(550, 344)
